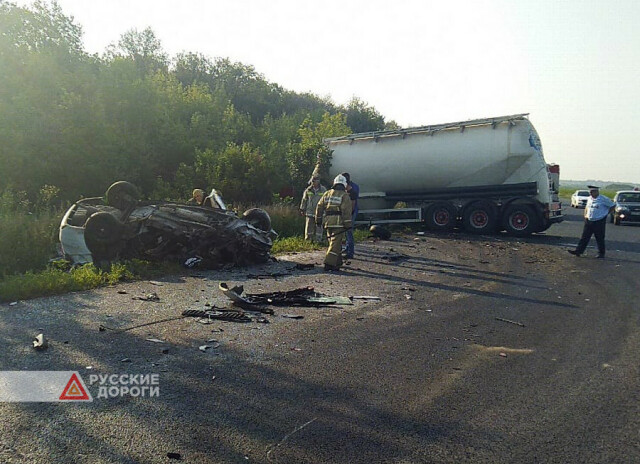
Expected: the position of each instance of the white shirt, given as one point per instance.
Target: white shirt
(597, 208)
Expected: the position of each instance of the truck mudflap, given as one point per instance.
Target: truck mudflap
(553, 213)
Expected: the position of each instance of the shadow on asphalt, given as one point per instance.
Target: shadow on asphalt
(195, 415)
(429, 266)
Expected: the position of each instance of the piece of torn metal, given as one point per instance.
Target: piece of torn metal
(221, 315)
(304, 267)
(148, 297)
(304, 296)
(40, 343)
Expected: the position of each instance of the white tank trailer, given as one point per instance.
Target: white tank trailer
(483, 175)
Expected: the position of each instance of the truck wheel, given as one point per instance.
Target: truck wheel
(102, 231)
(441, 216)
(258, 218)
(479, 218)
(519, 220)
(122, 195)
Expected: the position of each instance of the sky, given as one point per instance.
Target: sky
(573, 65)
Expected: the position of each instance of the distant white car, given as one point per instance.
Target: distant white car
(579, 198)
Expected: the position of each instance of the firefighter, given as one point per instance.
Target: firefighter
(334, 213)
(310, 199)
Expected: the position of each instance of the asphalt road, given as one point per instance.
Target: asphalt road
(434, 372)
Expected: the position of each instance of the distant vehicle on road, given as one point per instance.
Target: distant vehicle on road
(95, 230)
(627, 207)
(579, 198)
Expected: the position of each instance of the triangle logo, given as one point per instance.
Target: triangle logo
(75, 390)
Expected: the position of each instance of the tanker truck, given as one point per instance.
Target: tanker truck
(482, 175)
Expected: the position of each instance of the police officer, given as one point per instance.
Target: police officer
(310, 199)
(334, 212)
(595, 219)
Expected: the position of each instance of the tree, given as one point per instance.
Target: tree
(310, 150)
(363, 118)
(143, 48)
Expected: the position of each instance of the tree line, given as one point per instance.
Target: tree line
(71, 122)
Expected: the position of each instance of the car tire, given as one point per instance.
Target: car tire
(122, 195)
(479, 218)
(441, 216)
(258, 218)
(519, 220)
(102, 232)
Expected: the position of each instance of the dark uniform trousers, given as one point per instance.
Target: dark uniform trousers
(592, 228)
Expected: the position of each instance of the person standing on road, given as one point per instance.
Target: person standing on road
(354, 192)
(595, 220)
(334, 212)
(310, 199)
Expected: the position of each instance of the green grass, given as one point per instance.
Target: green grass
(566, 192)
(27, 242)
(59, 278)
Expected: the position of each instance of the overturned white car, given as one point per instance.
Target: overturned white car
(120, 226)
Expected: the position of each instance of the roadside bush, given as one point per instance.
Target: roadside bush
(28, 241)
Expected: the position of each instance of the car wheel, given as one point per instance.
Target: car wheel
(102, 232)
(122, 195)
(479, 218)
(258, 218)
(519, 220)
(441, 216)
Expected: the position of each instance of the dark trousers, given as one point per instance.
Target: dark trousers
(592, 228)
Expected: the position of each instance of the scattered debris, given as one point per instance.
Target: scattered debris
(192, 262)
(408, 297)
(365, 297)
(380, 232)
(40, 343)
(125, 360)
(13, 303)
(270, 275)
(304, 267)
(286, 437)
(204, 348)
(504, 355)
(419, 233)
(510, 322)
(156, 283)
(222, 315)
(155, 340)
(122, 292)
(305, 296)
(165, 351)
(148, 297)
(292, 316)
(103, 328)
(176, 456)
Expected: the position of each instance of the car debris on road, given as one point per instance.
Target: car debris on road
(125, 227)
